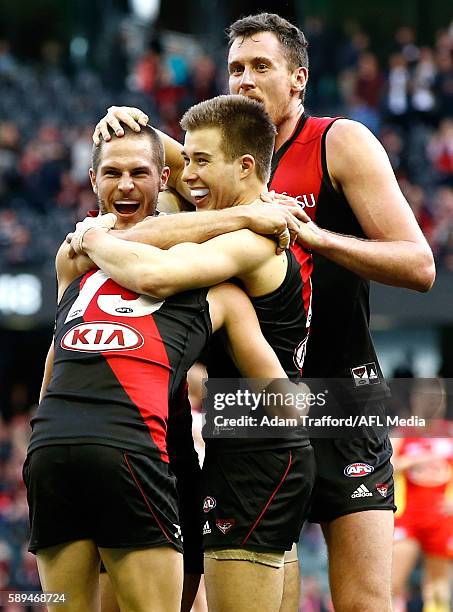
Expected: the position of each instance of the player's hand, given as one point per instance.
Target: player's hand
(75, 239)
(272, 219)
(128, 115)
(291, 204)
(309, 235)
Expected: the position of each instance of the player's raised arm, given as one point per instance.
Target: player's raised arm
(396, 252)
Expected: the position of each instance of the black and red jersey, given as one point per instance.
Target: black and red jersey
(284, 317)
(120, 358)
(340, 344)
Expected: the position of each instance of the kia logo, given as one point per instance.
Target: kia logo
(101, 336)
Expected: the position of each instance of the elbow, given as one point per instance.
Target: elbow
(155, 285)
(425, 272)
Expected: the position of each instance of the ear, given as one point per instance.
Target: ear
(299, 78)
(164, 178)
(92, 174)
(247, 165)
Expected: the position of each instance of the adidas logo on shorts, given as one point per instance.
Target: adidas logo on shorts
(206, 528)
(361, 491)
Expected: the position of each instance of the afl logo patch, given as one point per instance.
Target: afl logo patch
(357, 470)
(209, 504)
(101, 336)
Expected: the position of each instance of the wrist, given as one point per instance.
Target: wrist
(90, 235)
(242, 216)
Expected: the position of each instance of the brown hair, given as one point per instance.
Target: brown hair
(246, 128)
(292, 40)
(145, 132)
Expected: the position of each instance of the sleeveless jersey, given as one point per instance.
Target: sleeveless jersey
(120, 358)
(340, 344)
(284, 317)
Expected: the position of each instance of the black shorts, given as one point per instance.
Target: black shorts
(189, 493)
(256, 500)
(118, 499)
(352, 475)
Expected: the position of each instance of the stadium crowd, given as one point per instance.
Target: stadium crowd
(46, 119)
(47, 114)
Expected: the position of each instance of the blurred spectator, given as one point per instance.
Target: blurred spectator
(422, 84)
(7, 61)
(442, 235)
(393, 143)
(440, 151)
(397, 96)
(443, 86)
(148, 69)
(367, 92)
(406, 44)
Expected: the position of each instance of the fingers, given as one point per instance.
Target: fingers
(284, 240)
(107, 221)
(134, 118)
(131, 116)
(298, 213)
(292, 223)
(104, 222)
(267, 196)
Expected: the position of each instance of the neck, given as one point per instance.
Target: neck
(288, 125)
(251, 192)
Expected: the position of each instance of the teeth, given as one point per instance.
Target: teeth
(126, 202)
(198, 193)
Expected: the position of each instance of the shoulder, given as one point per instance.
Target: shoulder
(68, 269)
(352, 147)
(346, 133)
(225, 301)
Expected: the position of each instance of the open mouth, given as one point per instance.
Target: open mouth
(126, 207)
(199, 194)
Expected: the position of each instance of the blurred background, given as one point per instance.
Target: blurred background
(62, 63)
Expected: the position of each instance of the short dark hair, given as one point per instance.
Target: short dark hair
(292, 40)
(246, 128)
(145, 132)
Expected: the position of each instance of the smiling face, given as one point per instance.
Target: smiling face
(127, 181)
(259, 69)
(214, 182)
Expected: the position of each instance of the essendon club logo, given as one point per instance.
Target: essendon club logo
(225, 524)
(365, 374)
(382, 488)
(101, 336)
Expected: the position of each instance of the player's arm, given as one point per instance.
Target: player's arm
(231, 308)
(146, 269)
(69, 268)
(396, 252)
(48, 368)
(167, 231)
